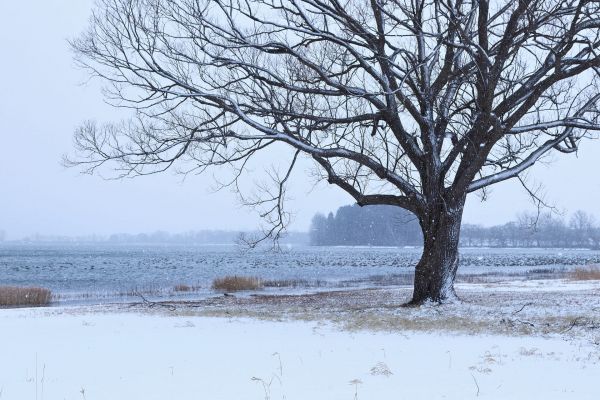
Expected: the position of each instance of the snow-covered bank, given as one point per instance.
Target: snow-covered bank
(75, 354)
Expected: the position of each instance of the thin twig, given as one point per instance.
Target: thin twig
(476, 384)
(521, 309)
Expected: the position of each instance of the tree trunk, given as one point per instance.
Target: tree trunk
(435, 272)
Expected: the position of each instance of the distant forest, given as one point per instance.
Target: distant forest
(392, 226)
(368, 226)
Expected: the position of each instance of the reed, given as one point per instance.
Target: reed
(12, 296)
(589, 273)
(182, 288)
(236, 283)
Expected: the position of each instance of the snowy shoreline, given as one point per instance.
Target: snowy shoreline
(358, 344)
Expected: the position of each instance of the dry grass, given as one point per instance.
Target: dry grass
(182, 288)
(588, 273)
(11, 296)
(236, 283)
(293, 283)
(144, 290)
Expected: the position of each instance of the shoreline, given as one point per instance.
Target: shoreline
(524, 307)
(297, 286)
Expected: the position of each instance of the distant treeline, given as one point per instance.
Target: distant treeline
(532, 230)
(366, 226)
(202, 237)
(392, 226)
(161, 237)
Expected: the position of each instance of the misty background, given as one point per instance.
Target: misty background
(45, 97)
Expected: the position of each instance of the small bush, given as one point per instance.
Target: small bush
(11, 296)
(236, 283)
(588, 273)
(182, 288)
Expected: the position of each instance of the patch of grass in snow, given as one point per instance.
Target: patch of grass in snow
(589, 273)
(375, 321)
(236, 283)
(12, 296)
(529, 352)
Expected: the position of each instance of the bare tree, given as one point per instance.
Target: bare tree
(403, 102)
(583, 227)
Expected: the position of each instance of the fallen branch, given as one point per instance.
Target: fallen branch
(521, 309)
(152, 304)
(576, 322)
(526, 323)
(511, 322)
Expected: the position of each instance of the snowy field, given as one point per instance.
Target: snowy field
(499, 343)
(65, 355)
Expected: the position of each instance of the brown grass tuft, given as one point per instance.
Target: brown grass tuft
(236, 283)
(182, 288)
(11, 296)
(591, 272)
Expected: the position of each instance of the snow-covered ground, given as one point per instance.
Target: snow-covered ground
(534, 285)
(76, 353)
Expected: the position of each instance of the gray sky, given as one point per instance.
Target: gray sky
(44, 97)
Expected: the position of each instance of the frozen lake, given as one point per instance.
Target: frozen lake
(101, 273)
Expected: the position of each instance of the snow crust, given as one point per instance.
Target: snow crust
(70, 353)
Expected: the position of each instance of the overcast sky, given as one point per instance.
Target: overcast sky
(43, 97)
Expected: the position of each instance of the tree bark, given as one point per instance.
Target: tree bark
(436, 271)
